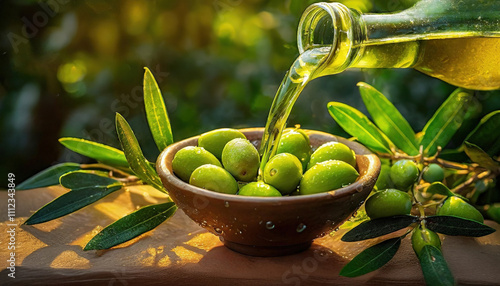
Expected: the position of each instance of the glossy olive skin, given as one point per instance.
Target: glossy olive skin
(332, 151)
(433, 173)
(404, 173)
(389, 202)
(189, 158)
(214, 178)
(241, 159)
(296, 142)
(456, 206)
(327, 176)
(215, 140)
(422, 237)
(259, 189)
(384, 178)
(284, 172)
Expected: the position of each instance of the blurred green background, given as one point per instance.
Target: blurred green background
(68, 66)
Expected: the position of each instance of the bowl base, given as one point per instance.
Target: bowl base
(266, 251)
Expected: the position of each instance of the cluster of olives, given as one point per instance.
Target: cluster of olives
(225, 161)
(393, 199)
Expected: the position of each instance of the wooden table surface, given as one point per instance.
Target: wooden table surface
(179, 252)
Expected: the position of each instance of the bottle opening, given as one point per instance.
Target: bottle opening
(317, 28)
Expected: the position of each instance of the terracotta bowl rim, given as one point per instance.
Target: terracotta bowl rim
(166, 174)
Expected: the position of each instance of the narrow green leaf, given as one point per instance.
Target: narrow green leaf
(358, 125)
(486, 135)
(86, 179)
(372, 258)
(156, 112)
(434, 267)
(477, 155)
(378, 227)
(70, 202)
(452, 225)
(100, 152)
(132, 225)
(446, 121)
(138, 163)
(48, 177)
(438, 188)
(388, 119)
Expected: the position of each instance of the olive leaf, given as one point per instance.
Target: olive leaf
(132, 225)
(388, 119)
(453, 225)
(446, 121)
(371, 258)
(48, 177)
(486, 135)
(477, 155)
(434, 267)
(156, 112)
(86, 179)
(138, 163)
(100, 152)
(438, 188)
(378, 227)
(71, 202)
(358, 125)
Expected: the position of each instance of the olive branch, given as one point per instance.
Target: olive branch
(470, 173)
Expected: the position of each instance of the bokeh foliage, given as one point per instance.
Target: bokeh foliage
(67, 70)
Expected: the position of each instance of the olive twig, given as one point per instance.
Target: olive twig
(477, 176)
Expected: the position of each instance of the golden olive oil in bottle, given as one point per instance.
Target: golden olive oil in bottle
(455, 41)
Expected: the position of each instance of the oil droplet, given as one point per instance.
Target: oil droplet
(226, 204)
(218, 230)
(270, 225)
(301, 227)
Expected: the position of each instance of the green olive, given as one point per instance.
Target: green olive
(493, 211)
(241, 159)
(214, 178)
(296, 142)
(433, 173)
(189, 158)
(422, 237)
(456, 206)
(259, 189)
(384, 178)
(215, 140)
(327, 176)
(332, 151)
(404, 173)
(389, 202)
(283, 172)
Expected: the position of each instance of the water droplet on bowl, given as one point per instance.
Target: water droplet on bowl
(301, 227)
(270, 225)
(218, 230)
(226, 204)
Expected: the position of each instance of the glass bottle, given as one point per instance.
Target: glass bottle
(455, 41)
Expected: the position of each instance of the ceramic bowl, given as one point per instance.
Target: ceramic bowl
(270, 226)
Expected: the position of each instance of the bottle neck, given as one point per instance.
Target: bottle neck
(358, 40)
(335, 27)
